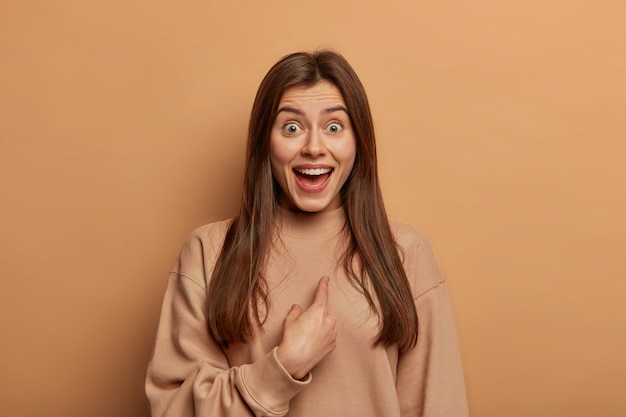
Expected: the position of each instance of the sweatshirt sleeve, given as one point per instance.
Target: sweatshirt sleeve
(430, 380)
(189, 374)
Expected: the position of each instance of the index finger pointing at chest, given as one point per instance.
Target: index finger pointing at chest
(321, 294)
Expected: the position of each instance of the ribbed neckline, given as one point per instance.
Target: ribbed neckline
(311, 226)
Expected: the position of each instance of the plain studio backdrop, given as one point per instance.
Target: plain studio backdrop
(502, 135)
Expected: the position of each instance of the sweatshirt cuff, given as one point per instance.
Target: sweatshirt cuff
(268, 385)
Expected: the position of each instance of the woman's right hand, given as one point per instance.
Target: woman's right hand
(308, 336)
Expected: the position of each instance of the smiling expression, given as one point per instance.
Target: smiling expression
(312, 147)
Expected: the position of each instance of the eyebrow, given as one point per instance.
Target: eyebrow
(336, 108)
(301, 113)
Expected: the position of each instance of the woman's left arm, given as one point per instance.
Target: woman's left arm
(430, 380)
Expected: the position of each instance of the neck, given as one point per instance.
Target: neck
(311, 225)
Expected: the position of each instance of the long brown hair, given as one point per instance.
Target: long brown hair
(237, 294)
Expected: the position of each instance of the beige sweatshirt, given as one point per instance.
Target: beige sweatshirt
(190, 376)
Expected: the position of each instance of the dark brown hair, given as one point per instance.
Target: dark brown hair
(237, 279)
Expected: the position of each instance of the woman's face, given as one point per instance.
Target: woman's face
(312, 147)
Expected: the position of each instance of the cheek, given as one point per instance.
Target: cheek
(348, 154)
(349, 160)
(279, 159)
(274, 154)
(278, 151)
(349, 169)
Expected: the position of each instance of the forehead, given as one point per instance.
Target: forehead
(323, 92)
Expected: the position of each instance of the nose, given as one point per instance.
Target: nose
(314, 144)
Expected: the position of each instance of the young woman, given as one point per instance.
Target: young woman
(310, 302)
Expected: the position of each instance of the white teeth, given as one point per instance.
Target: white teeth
(316, 171)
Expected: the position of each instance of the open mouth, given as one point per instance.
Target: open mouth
(312, 178)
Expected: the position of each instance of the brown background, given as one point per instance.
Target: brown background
(502, 134)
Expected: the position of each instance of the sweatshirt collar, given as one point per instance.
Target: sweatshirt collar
(311, 225)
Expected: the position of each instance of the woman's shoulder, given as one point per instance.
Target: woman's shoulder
(208, 235)
(201, 249)
(417, 256)
(211, 231)
(407, 236)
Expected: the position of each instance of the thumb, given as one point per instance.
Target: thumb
(294, 312)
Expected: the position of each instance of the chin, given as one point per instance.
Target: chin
(314, 206)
